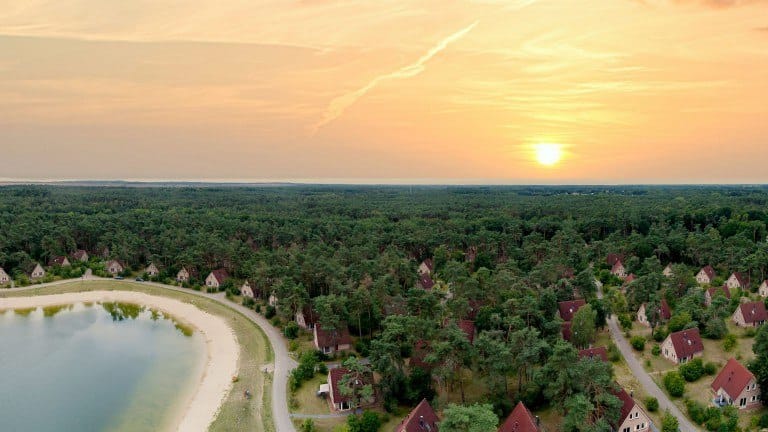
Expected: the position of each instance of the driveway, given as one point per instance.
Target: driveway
(283, 362)
(649, 385)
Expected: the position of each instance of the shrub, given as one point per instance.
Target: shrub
(693, 370)
(275, 321)
(656, 350)
(674, 383)
(626, 321)
(637, 342)
(652, 404)
(293, 345)
(308, 426)
(730, 342)
(696, 411)
(763, 423)
(669, 423)
(614, 354)
(710, 368)
(269, 312)
(291, 330)
(750, 332)
(679, 321)
(369, 421)
(660, 334)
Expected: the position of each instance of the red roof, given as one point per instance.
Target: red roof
(332, 338)
(724, 289)
(663, 312)
(421, 419)
(520, 420)
(753, 312)
(594, 353)
(220, 275)
(566, 329)
(569, 308)
(709, 271)
(79, 254)
(687, 342)
(57, 260)
(336, 375)
(420, 351)
(426, 282)
(627, 403)
(310, 316)
(468, 327)
(611, 259)
(742, 278)
(616, 266)
(733, 379)
(631, 278)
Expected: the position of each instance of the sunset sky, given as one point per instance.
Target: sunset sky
(629, 91)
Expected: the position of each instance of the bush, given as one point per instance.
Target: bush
(710, 368)
(730, 342)
(637, 342)
(674, 383)
(308, 426)
(626, 321)
(269, 312)
(363, 347)
(291, 330)
(652, 404)
(614, 354)
(669, 423)
(656, 350)
(750, 332)
(369, 421)
(275, 321)
(693, 370)
(696, 411)
(763, 423)
(679, 321)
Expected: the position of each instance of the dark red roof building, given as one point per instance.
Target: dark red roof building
(568, 309)
(420, 419)
(712, 292)
(612, 259)
(520, 420)
(330, 341)
(683, 345)
(468, 327)
(566, 330)
(751, 314)
(426, 282)
(737, 385)
(598, 353)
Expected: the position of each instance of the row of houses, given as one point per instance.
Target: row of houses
(632, 418)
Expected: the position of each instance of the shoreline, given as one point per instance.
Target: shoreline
(222, 348)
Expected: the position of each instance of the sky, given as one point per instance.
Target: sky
(386, 91)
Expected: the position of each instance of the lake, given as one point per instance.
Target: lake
(85, 367)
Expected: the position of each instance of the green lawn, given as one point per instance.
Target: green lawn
(307, 401)
(236, 412)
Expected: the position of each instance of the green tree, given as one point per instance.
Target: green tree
(369, 421)
(669, 423)
(472, 418)
(583, 326)
(759, 366)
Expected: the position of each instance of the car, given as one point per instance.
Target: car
(119, 278)
(138, 279)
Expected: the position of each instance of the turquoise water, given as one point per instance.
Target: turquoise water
(95, 368)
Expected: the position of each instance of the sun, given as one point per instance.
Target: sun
(548, 154)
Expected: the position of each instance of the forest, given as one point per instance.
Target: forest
(503, 257)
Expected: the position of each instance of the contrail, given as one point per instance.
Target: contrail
(337, 106)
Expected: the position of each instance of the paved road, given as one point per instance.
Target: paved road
(651, 389)
(283, 362)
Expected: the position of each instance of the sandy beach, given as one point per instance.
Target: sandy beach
(222, 346)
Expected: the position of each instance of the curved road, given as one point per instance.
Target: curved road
(283, 362)
(642, 376)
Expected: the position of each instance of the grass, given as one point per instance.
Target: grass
(307, 400)
(324, 424)
(236, 412)
(714, 352)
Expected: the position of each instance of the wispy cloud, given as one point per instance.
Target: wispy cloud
(337, 106)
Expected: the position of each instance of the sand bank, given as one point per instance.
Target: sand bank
(222, 347)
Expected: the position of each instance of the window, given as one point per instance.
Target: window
(743, 402)
(626, 429)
